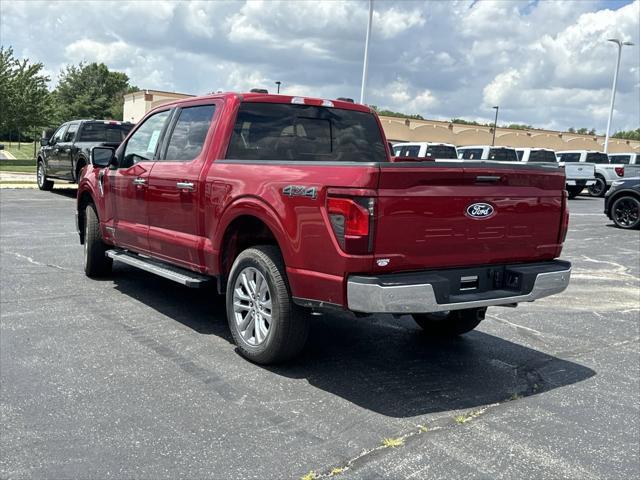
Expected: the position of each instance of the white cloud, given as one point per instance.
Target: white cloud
(546, 63)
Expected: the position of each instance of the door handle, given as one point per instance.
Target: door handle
(140, 181)
(185, 186)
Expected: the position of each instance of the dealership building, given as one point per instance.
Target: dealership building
(396, 129)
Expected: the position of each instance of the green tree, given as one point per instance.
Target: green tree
(519, 126)
(90, 91)
(391, 113)
(571, 130)
(628, 134)
(25, 102)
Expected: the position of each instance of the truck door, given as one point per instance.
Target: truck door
(52, 152)
(65, 152)
(127, 185)
(176, 187)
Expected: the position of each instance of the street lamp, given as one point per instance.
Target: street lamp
(278, 84)
(365, 65)
(495, 125)
(613, 89)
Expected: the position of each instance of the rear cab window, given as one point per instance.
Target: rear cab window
(503, 155)
(408, 151)
(569, 157)
(441, 151)
(623, 159)
(542, 156)
(275, 131)
(597, 158)
(470, 154)
(104, 132)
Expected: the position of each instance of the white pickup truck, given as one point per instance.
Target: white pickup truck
(629, 161)
(444, 151)
(579, 173)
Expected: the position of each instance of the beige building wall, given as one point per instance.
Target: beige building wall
(137, 104)
(409, 130)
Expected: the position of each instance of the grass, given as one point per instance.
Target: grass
(25, 152)
(393, 442)
(17, 168)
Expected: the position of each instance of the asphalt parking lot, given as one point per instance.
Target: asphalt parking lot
(136, 377)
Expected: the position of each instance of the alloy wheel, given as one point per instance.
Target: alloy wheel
(252, 306)
(597, 188)
(626, 212)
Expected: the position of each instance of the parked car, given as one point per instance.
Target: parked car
(67, 151)
(605, 173)
(622, 203)
(579, 173)
(487, 152)
(538, 155)
(291, 204)
(425, 149)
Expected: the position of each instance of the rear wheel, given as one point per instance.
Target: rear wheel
(625, 212)
(41, 177)
(96, 263)
(599, 188)
(450, 324)
(574, 190)
(265, 324)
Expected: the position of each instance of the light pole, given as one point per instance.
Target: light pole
(365, 65)
(495, 125)
(278, 84)
(613, 89)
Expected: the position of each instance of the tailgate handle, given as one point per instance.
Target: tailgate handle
(488, 178)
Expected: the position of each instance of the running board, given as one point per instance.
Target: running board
(162, 269)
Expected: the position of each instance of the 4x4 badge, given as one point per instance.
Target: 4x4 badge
(300, 191)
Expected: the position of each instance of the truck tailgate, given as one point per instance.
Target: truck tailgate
(579, 170)
(427, 219)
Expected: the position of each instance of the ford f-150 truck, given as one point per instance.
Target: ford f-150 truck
(65, 154)
(292, 204)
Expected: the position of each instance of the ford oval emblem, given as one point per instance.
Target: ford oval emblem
(480, 210)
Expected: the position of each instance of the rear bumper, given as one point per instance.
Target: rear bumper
(442, 290)
(584, 183)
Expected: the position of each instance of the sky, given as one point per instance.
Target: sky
(545, 63)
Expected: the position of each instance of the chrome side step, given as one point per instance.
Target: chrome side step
(162, 269)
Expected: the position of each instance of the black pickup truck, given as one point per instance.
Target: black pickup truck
(63, 156)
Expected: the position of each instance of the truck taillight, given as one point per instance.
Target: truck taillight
(619, 171)
(352, 223)
(564, 221)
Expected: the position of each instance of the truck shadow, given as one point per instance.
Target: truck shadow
(379, 363)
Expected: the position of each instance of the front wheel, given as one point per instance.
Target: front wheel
(96, 263)
(41, 177)
(452, 323)
(266, 325)
(599, 188)
(625, 212)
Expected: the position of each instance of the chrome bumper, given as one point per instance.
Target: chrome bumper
(587, 183)
(368, 295)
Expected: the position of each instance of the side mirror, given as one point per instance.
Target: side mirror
(102, 156)
(44, 142)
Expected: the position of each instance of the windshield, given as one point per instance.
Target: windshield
(277, 131)
(597, 158)
(542, 156)
(441, 151)
(104, 132)
(503, 155)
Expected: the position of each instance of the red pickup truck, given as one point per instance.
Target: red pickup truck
(295, 204)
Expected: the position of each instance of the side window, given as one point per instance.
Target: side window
(71, 133)
(189, 132)
(57, 137)
(142, 144)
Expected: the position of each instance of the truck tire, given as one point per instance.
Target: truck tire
(41, 177)
(96, 263)
(574, 191)
(266, 325)
(625, 212)
(599, 188)
(450, 324)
